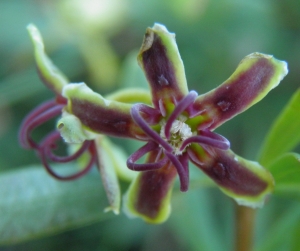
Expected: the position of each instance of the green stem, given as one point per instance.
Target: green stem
(245, 218)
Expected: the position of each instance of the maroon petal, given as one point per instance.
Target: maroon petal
(245, 181)
(162, 64)
(149, 195)
(100, 115)
(255, 76)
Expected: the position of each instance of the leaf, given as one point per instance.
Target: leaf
(295, 246)
(286, 172)
(33, 204)
(284, 134)
(279, 234)
(199, 223)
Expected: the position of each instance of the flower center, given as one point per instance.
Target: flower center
(179, 132)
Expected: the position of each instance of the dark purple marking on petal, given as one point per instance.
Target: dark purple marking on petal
(180, 107)
(48, 142)
(235, 96)
(182, 170)
(104, 120)
(232, 175)
(139, 120)
(149, 147)
(154, 187)
(160, 71)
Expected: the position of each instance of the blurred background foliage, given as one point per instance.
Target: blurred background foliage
(96, 42)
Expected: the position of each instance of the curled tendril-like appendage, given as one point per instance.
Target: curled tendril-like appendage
(145, 116)
(44, 149)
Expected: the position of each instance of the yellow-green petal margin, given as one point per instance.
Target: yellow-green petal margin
(161, 62)
(254, 77)
(130, 201)
(49, 73)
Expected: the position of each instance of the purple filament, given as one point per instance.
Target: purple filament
(181, 106)
(152, 115)
(182, 170)
(221, 144)
(150, 146)
(193, 157)
(214, 135)
(138, 119)
(162, 108)
(38, 116)
(49, 142)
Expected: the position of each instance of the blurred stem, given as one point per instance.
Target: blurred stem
(245, 218)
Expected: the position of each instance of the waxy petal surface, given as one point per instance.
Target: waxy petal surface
(245, 181)
(255, 76)
(160, 59)
(149, 194)
(100, 115)
(48, 72)
(109, 177)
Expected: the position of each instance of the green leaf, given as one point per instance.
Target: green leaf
(33, 204)
(284, 134)
(198, 222)
(295, 246)
(286, 172)
(280, 233)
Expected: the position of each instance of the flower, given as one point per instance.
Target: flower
(91, 149)
(180, 127)
(177, 126)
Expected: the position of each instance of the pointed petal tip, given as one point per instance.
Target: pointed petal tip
(116, 211)
(280, 65)
(256, 75)
(50, 75)
(132, 213)
(252, 204)
(162, 28)
(35, 34)
(161, 62)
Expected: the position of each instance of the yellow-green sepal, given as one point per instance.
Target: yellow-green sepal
(108, 176)
(52, 77)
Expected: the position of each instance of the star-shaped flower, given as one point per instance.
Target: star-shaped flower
(177, 126)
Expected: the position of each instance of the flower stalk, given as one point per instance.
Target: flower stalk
(244, 227)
